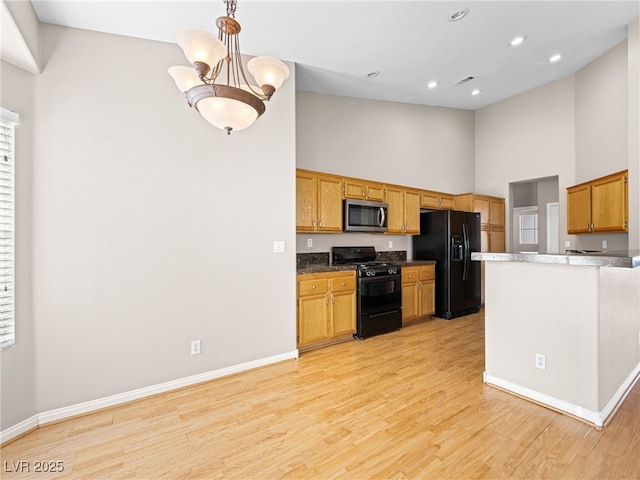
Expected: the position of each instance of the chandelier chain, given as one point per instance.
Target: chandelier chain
(231, 8)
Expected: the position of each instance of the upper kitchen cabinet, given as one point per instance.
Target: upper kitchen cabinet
(318, 202)
(491, 210)
(437, 200)
(363, 189)
(600, 205)
(404, 210)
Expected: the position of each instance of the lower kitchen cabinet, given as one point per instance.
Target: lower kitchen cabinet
(418, 293)
(326, 308)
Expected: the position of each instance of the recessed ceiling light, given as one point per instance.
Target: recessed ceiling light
(517, 41)
(459, 15)
(555, 58)
(475, 92)
(432, 84)
(372, 74)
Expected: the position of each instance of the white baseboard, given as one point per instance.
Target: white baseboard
(19, 429)
(596, 418)
(112, 400)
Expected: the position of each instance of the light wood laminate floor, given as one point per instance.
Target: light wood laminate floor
(409, 404)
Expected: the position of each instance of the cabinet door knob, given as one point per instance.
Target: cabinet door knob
(313, 287)
(344, 283)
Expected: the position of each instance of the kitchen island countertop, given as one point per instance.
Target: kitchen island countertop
(625, 259)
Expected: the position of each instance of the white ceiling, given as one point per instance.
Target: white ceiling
(335, 43)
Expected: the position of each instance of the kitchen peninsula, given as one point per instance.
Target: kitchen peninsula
(563, 330)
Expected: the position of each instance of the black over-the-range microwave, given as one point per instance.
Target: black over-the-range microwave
(363, 216)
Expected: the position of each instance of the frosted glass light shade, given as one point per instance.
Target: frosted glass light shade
(185, 77)
(225, 112)
(268, 71)
(199, 46)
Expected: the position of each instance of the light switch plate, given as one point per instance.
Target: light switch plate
(278, 246)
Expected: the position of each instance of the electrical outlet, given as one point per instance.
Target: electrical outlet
(567, 244)
(390, 243)
(604, 244)
(541, 361)
(195, 347)
(309, 242)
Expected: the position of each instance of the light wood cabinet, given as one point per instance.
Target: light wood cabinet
(318, 202)
(326, 308)
(491, 210)
(364, 190)
(436, 200)
(403, 214)
(418, 293)
(600, 205)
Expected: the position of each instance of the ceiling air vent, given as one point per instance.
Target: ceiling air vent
(465, 80)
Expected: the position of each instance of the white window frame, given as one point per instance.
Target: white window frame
(518, 228)
(8, 121)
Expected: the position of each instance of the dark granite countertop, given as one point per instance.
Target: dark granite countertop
(324, 267)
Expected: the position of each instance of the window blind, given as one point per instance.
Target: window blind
(8, 121)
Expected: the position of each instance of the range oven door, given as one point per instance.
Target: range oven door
(379, 305)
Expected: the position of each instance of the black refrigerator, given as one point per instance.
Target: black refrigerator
(449, 237)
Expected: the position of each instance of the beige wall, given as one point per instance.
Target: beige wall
(527, 137)
(633, 68)
(601, 115)
(17, 365)
(412, 145)
(575, 128)
(150, 227)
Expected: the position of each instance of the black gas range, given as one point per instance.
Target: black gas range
(379, 294)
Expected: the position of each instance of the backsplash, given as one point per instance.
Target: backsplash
(392, 256)
(322, 258)
(317, 258)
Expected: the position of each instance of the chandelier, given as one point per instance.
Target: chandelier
(217, 85)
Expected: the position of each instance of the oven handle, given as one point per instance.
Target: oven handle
(382, 313)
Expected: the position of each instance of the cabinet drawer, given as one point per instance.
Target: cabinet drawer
(428, 273)
(343, 284)
(410, 274)
(312, 286)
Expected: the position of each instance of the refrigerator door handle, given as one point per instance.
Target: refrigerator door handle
(466, 253)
